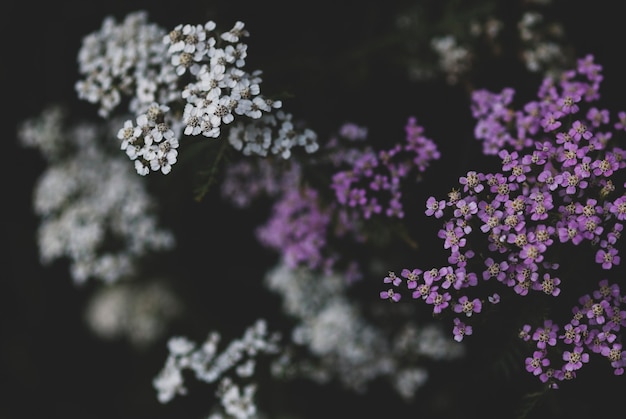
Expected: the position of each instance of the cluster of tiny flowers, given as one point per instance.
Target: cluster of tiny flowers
(557, 188)
(126, 59)
(220, 88)
(593, 329)
(542, 46)
(211, 366)
(193, 72)
(272, 133)
(222, 91)
(151, 144)
(373, 181)
(562, 171)
(346, 346)
(236, 402)
(298, 227)
(301, 227)
(454, 60)
(87, 196)
(137, 312)
(247, 180)
(302, 224)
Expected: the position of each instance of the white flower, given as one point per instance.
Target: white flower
(91, 196)
(236, 54)
(141, 168)
(220, 112)
(235, 33)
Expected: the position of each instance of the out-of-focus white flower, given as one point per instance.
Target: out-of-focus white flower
(140, 313)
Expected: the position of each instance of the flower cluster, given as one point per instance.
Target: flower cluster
(211, 366)
(594, 327)
(191, 81)
(559, 186)
(306, 221)
(151, 144)
(126, 59)
(372, 183)
(345, 345)
(137, 312)
(95, 211)
(531, 233)
(466, 37)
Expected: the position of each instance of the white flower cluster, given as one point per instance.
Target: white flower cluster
(259, 137)
(347, 346)
(544, 48)
(542, 43)
(127, 59)
(136, 311)
(193, 72)
(454, 59)
(221, 91)
(210, 366)
(152, 144)
(220, 88)
(94, 210)
(236, 402)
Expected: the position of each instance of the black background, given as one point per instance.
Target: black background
(51, 366)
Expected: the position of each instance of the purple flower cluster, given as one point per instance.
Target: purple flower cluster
(298, 226)
(558, 187)
(594, 328)
(249, 179)
(372, 182)
(302, 225)
(305, 225)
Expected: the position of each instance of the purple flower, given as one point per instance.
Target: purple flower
(568, 104)
(495, 269)
(390, 294)
(537, 363)
(575, 359)
(472, 182)
(431, 276)
(607, 291)
(579, 130)
(422, 291)
(434, 207)
(524, 332)
(621, 123)
(573, 334)
(607, 257)
(494, 298)
(297, 228)
(392, 278)
(461, 330)
(550, 121)
(464, 305)
(597, 312)
(549, 285)
(618, 208)
(616, 356)
(439, 301)
(546, 335)
(411, 277)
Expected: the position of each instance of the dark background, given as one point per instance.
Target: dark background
(51, 365)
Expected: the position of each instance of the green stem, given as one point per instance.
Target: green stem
(211, 173)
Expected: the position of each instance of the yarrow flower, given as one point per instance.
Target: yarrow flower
(95, 211)
(556, 190)
(541, 226)
(372, 183)
(190, 81)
